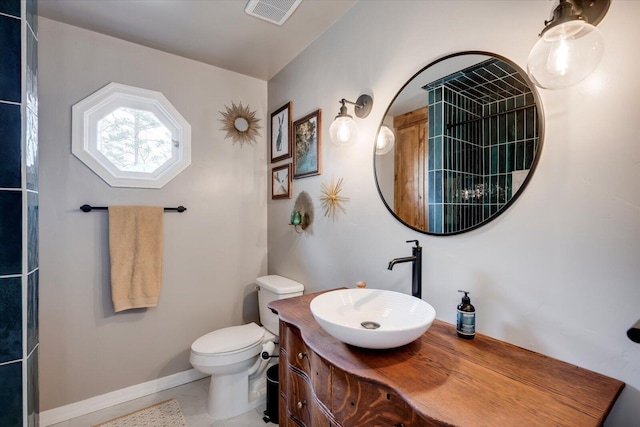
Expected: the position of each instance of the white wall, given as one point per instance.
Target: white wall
(559, 272)
(212, 252)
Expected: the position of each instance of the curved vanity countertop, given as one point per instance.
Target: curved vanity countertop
(452, 381)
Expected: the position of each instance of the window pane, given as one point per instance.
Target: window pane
(134, 140)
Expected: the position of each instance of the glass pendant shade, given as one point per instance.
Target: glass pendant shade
(343, 131)
(565, 55)
(385, 141)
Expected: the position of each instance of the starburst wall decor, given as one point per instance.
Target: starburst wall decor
(240, 124)
(331, 200)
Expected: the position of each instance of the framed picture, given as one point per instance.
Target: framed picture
(281, 140)
(281, 182)
(307, 152)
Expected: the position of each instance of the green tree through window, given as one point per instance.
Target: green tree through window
(134, 140)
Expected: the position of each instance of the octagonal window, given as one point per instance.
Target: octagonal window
(131, 137)
(134, 140)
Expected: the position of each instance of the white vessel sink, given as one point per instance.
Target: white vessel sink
(372, 318)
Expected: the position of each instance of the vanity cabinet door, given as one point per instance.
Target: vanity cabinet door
(321, 379)
(357, 403)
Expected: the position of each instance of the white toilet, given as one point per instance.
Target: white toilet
(234, 356)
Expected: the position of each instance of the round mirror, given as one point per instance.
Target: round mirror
(466, 137)
(241, 124)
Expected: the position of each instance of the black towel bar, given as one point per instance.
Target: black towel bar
(89, 208)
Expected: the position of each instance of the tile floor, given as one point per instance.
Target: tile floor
(192, 398)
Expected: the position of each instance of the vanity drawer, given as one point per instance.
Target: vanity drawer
(358, 403)
(298, 355)
(299, 399)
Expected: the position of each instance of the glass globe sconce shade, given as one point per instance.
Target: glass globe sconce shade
(570, 47)
(344, 130)
(565, 55)
(385, 141)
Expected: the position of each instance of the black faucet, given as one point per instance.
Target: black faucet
(416, 273)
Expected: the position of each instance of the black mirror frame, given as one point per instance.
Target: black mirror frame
(541, 128)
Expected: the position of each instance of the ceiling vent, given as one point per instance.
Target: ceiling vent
(274, 11)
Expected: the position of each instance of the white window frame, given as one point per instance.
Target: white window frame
(84, 145)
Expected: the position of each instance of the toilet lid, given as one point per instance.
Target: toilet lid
(229, 339)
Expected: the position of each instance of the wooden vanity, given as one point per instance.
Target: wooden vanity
(438, 380)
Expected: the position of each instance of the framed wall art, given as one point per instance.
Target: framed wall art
(281, 140)
(281, 182)
(307, 146)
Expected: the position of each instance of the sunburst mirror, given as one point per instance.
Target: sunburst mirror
(240, 123)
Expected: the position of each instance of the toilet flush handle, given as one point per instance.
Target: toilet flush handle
(265, 355)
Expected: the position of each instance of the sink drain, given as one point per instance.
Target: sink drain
(367, 324)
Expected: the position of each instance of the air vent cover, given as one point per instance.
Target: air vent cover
(274, 11)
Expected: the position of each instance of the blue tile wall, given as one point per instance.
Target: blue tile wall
(10, 319)
(19, 274)
(31, 162)
(432, 113)
(10, 66)
(10, 137)
(31, 167)
(32, 72)
(31, 120)
(438, 186)
(10, 7)
(431, 187)
(32, 311)
(32, 230)
(33, 397)
(10, 232)
(432, 217)
(438, 152)
(472, 162)
(513, 143)
(11, 395)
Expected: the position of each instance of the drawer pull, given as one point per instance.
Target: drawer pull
(301, 404)
(302, 355)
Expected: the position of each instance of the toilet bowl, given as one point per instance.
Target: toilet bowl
(237, 357)
(229, 350)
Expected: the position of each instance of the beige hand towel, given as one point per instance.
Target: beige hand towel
(135, 248)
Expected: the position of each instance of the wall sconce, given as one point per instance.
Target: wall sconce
(343, 130)
(385, 141)
(302, 214)
(300, 219)
(570, 46)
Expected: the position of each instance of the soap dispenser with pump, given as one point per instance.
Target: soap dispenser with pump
(466, 324)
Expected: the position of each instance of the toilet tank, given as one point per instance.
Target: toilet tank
(271, 288)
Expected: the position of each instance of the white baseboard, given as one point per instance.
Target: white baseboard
(77, 409)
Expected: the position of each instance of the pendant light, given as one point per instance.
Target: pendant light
(570, 46)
